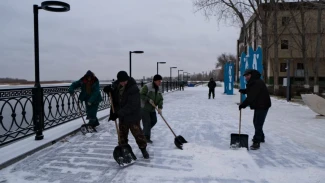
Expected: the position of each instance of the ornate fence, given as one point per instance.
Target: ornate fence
(17, 109)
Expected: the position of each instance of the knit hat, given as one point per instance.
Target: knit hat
(122, 76)
(157, 77)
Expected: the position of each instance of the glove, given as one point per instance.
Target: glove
(242, 90)
(113, 116)
(160, 111)
(152, 102)
(88, 103)
(241, 107)
(108, 89)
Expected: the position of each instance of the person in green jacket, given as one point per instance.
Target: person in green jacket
(90, 94)
(150, 95)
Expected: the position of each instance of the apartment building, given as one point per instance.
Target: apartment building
(291, 28)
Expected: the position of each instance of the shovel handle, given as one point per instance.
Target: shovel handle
(164, 119)
(112, 106)
(239, 120)
(82, 116)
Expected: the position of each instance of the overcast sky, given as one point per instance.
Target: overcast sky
(98, 35)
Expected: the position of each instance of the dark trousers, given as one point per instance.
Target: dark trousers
(181, 87)
(136, 132)
(91, 111)
(259, 118)
(149, 120)
(211, 90)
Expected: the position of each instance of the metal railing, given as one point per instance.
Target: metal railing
(17, 108)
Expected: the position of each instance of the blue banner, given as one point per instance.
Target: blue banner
(253, 60)
(225, 78)
(230, 78)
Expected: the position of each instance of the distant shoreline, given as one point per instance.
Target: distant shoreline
(32, 83)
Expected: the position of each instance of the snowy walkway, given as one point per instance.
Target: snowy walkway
(294, 150)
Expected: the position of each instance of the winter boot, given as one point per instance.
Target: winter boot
(148, 140)
(255, 146)
(144, 153)
(262, 141)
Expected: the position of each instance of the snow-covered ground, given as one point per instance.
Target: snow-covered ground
(294, 150)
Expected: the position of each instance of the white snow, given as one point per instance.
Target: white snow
(294, 150)
(26, 145)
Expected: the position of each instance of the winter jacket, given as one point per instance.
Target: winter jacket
(127, 106)
(258, 96)
(149, 92)
(212, 84)
(94, 96)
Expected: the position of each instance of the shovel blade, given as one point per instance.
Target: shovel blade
(181, 139)
(124, 155)
(239, 139)
(178, 143)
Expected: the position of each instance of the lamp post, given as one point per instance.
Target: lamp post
(171, 73)
(159, 63)
(178, 75)
(137, 52)
(38, 113)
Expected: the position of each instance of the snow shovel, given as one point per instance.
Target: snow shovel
(85, 127)
(238, 140)
(179, 140)
(122, 154)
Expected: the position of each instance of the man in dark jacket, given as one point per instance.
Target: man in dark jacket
(126, 101)
(258, 98)
(212, 85)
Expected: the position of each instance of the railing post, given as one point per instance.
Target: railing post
(38, 112)
(167, 85)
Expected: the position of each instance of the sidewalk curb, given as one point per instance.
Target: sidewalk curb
(24, 155)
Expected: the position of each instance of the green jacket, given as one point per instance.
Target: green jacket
(95, 97)
(148, 92)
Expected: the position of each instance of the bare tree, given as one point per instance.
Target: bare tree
(237, 12)
(221, 62)
(318, 47)
(300, 20)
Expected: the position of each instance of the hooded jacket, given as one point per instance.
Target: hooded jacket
(258, 96)
(92, 94)
(127, 104)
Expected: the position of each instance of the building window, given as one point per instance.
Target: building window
(283, 67)
(285, 21)
(300, 66)
(284, 44)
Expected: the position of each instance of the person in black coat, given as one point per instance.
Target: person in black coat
(212, 85)
(258, 98)
(127, 106)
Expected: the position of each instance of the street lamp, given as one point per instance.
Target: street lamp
(178, 74)
(54, 6)
(171, 72)
(159, 63)
(137, 52)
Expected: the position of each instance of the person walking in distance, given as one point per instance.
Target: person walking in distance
(212, 85)
(258, 98)
(126, 101)
(150, 96)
